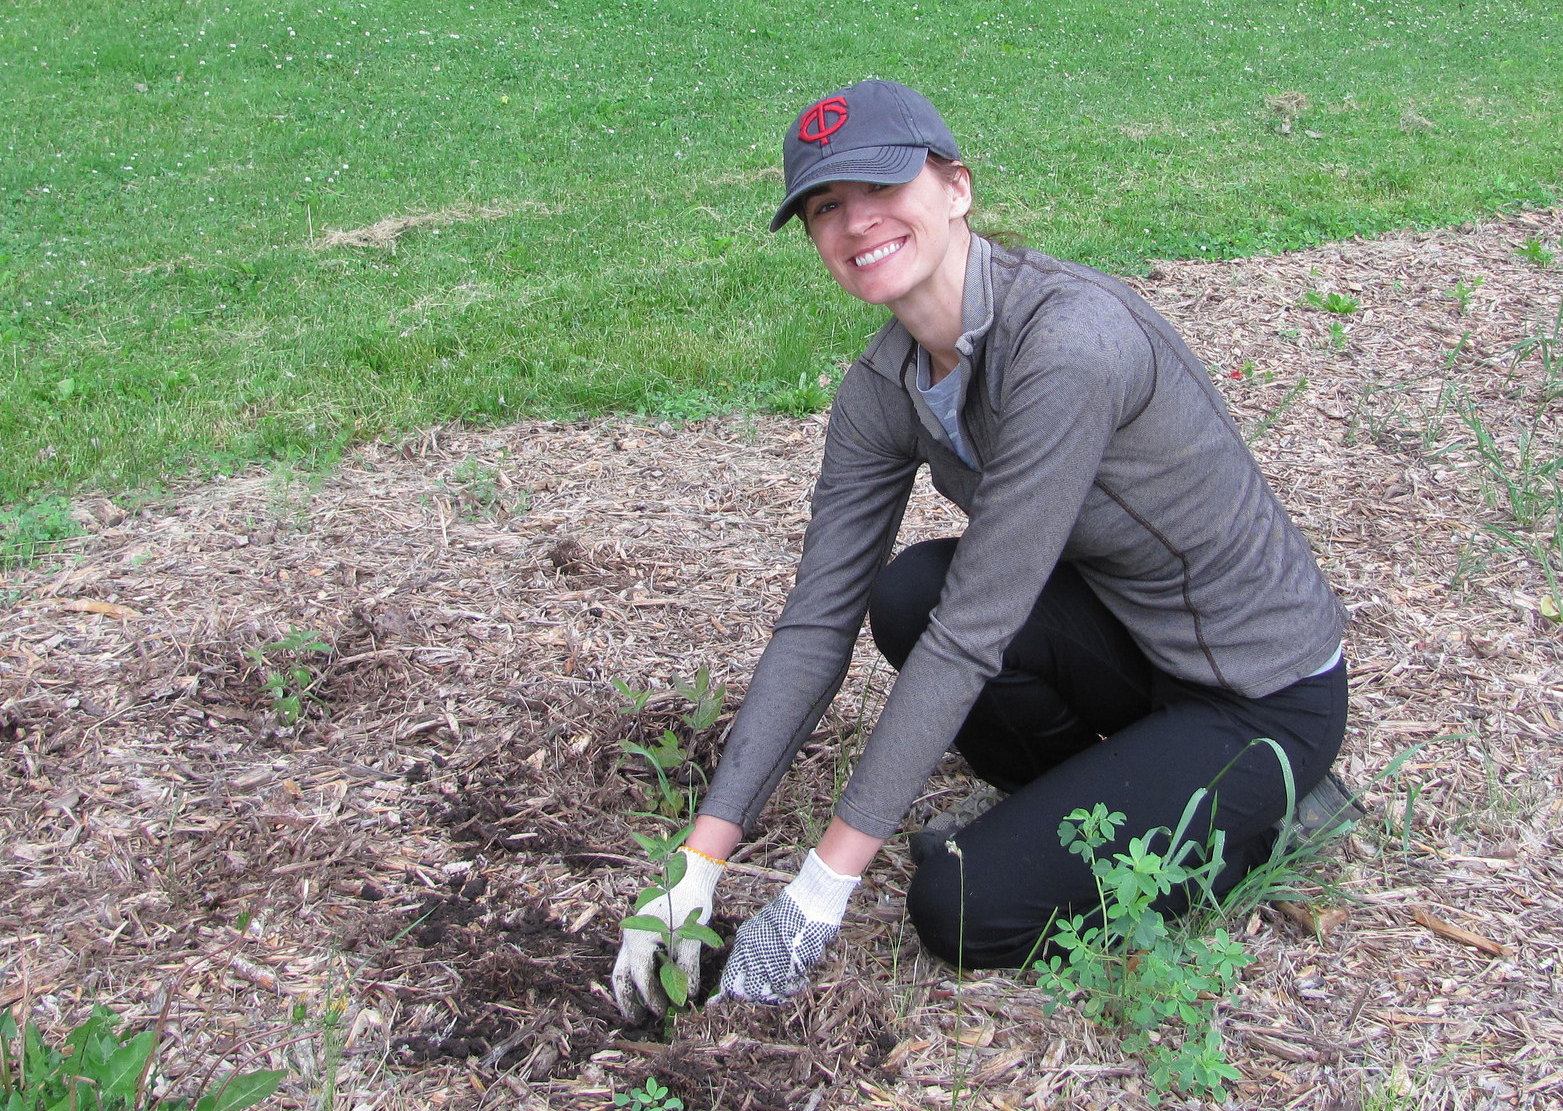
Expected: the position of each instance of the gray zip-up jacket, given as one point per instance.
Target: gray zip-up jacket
(1100, 439)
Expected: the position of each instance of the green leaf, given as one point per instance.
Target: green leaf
(674, 982)
(703, 934)
(648, 896)
(675, 868)
(649, 845)
(123, 1071)
(648, 922)
(246, 1089)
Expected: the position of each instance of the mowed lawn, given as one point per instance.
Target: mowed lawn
(578, 192)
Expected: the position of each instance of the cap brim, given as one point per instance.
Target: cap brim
(880, 165)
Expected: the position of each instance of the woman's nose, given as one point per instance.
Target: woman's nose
(862, 214)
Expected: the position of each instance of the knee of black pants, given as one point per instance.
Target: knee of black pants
(933, 903)
(905, 593)
(959, 930)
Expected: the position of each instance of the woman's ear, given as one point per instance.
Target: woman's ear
(960, 192)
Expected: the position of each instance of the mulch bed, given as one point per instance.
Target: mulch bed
(415, 886)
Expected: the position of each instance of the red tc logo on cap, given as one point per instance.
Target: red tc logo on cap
(823, 120)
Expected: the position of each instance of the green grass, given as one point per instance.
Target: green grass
(167, 163)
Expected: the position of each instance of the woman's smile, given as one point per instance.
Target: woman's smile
(871, 257)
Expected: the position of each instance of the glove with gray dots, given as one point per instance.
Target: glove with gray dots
(776, 950)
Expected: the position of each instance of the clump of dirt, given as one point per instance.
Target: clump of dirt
(525, 1001)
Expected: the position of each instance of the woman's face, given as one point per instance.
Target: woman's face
(883, 243)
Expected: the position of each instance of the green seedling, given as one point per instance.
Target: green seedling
(1530, 480)
(676, 807)
(479, 489)
(1463, 291)
(662, 757)
(289, 681)
(1544, 553)
(1133, 970)
(667, 754)
(29, 530)
(811, 394)
(1275, 414)
(1341, 304)
(674, 865)
(654, 1096)
(705, 700)
(635, 700)
(97, 1069)
(1535, 253)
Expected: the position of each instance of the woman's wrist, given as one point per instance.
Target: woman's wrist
(846, 851)
(714, 838)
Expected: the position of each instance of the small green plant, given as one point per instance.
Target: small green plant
(1341, 304)
(1463, 291)
(1275, 414)
(1249, 371)
(480, 487)
(676, 808)
(1337, 335)
(674, 865)
(290, 677)
(1133, 970)
(704, 699)
(1535, 253)
(95, 1069)
(1544, 552)
(29, 530)
(654, 1096)
(1530, 479)
(811, 394)
(667, 754)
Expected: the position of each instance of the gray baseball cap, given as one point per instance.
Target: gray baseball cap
(875, 131)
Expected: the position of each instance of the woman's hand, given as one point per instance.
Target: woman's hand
(637, 985)
(777, 949)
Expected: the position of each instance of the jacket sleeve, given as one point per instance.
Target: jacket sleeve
(1064, 392)
(861, 493)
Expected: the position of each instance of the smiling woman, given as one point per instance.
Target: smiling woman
(1128, 609)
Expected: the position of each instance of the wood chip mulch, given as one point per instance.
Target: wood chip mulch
(413, 889)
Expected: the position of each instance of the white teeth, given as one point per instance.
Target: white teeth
(877, 254)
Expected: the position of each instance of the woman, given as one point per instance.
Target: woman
(1128, 608)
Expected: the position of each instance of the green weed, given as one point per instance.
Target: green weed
(29, 531)
(1134, 970)
(1528, 477)
(809, 395)
(666, 753)
(480, 489)
(94, 1068)
(1341, 304)
(1463, 291)
(289, 665)
(1535, 253)
(652, 1096)
(1275, 413)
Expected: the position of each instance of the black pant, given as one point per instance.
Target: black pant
(1072, 677)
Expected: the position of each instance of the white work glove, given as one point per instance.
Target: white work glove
(637, 987)
(776, 950)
